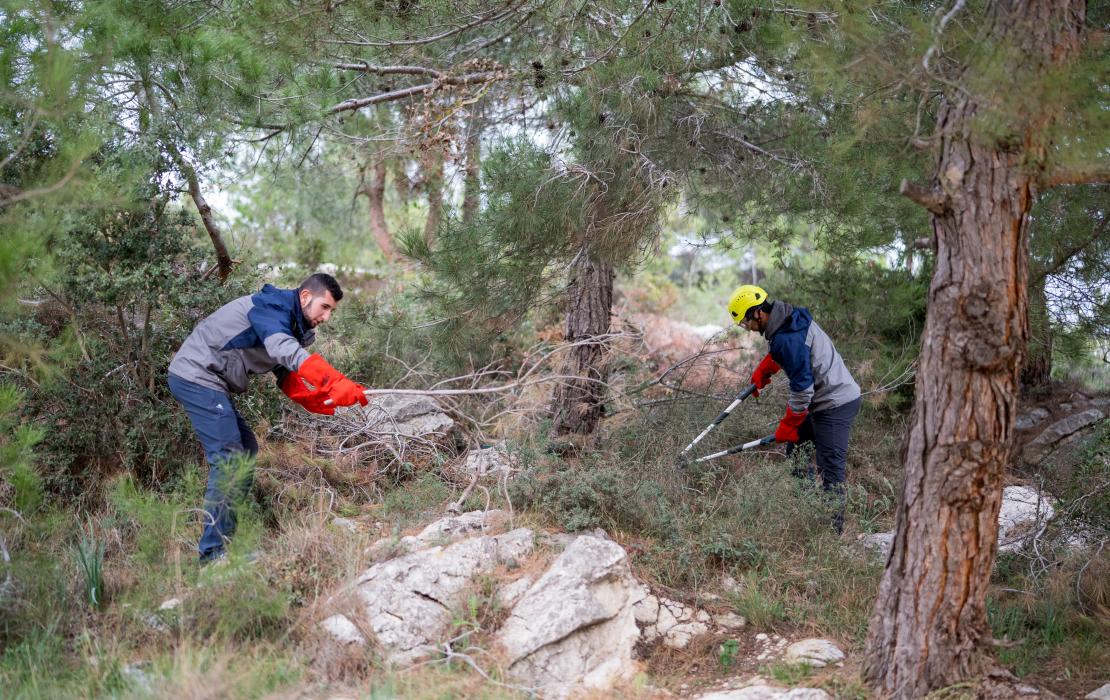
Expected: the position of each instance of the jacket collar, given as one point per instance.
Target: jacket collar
(292, 299)
(780, 314)
(300, 325)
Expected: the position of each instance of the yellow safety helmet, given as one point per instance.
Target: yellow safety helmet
(744, 298)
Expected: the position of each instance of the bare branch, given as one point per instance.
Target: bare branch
(394, 95)
(931, 198)
(223, 258)
(390, 70)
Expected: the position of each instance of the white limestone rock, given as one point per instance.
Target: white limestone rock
(1031, 419)
(343, 630)
(1060, 430)
(575, 628)
(730, 621)
(495, 461)
(815, 652)
(1023, 511)
(409, 600)
(409, 416)
(443, 531)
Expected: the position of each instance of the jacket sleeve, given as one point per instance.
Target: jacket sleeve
(792, 354)
(271, 323)
(280, 372)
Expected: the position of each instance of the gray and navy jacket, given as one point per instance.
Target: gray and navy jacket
(819, 380)
(254, 334)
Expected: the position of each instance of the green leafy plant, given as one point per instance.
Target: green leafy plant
(727, 652)
(789, 673)
(90, 557)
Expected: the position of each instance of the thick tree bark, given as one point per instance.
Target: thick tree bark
(929, 628)
(577, 404)
(432, 163)
(375, 194)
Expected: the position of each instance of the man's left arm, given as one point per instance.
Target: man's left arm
(796, 363)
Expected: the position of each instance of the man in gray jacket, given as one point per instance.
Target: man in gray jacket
(263, 332)
(824, 398)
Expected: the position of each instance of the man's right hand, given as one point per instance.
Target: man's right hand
(761, 377)
(331, 381)
(313, 400)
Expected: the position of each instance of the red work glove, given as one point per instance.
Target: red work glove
(761, 377)
(331, 381)
(312, 399)
(788, 426)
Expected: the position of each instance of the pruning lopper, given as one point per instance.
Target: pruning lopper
(683, 460)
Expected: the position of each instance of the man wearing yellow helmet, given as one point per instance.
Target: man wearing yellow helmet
(824, 398)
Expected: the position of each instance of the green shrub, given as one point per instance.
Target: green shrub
(129, 285)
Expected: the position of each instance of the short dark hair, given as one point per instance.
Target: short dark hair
(321, 282)
(765, 307)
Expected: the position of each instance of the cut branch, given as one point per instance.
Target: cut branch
(932, 199)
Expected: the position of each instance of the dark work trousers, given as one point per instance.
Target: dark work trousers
(828, 430)
(230, 447)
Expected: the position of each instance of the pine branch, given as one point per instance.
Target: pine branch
(1093, 175)
(403, 93)
(1063, 258)
(493, 16)
(391, 70)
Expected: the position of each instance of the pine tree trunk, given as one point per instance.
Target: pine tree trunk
(375, 193)
(433, 187)
(929, 627)
(472, 183)
(401, 182)
(1038, 359)
(577, 404)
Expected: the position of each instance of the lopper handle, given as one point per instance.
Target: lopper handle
(765, 440)
(717, 421)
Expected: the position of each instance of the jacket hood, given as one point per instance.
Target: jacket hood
(784, 317)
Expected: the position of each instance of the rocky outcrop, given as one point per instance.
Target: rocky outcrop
(1023, 514)
(672, 622)
(442, 531)
(409, 416)
(408, 601)
(1031, 418)
(576, 627)
(495, 462)
(1024, 511)
(1060, 430)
